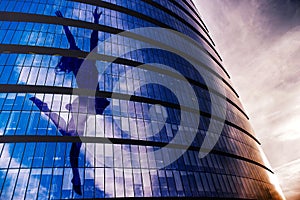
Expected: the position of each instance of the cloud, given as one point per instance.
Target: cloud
(289, 176)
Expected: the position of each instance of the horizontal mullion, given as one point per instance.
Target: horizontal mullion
(139, 15)
(9, 88)
(192, 9)
(159, 6)
(24, 17)
(47, 19)
(182, 20)
(11, 48)
(103, 140)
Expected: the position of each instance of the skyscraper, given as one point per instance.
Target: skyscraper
(120, 99)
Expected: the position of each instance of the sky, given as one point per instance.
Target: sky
(259, 42)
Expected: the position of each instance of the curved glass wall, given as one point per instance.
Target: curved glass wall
(56, 143)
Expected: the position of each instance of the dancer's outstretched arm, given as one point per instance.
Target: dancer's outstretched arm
(58, 121)
(94, 35)
(68, 33)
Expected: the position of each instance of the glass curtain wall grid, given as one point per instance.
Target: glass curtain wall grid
(56, 143)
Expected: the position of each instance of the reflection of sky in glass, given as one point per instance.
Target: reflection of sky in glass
(42, 170)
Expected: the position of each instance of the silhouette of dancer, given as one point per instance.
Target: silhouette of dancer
(82, 104)
(88, 79)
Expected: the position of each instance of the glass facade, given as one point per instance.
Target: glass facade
(57, 144)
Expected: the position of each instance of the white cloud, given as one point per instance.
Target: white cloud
(289, 176)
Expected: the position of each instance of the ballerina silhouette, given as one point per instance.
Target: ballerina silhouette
(81, 104)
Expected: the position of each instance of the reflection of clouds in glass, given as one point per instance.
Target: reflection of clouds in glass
(158, 117)
(23, 75)
(21, 180)
(41, 76)
(119, 176)
(5, 157)
(31, 69)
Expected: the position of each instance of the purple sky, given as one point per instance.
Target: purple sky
(259, 41)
